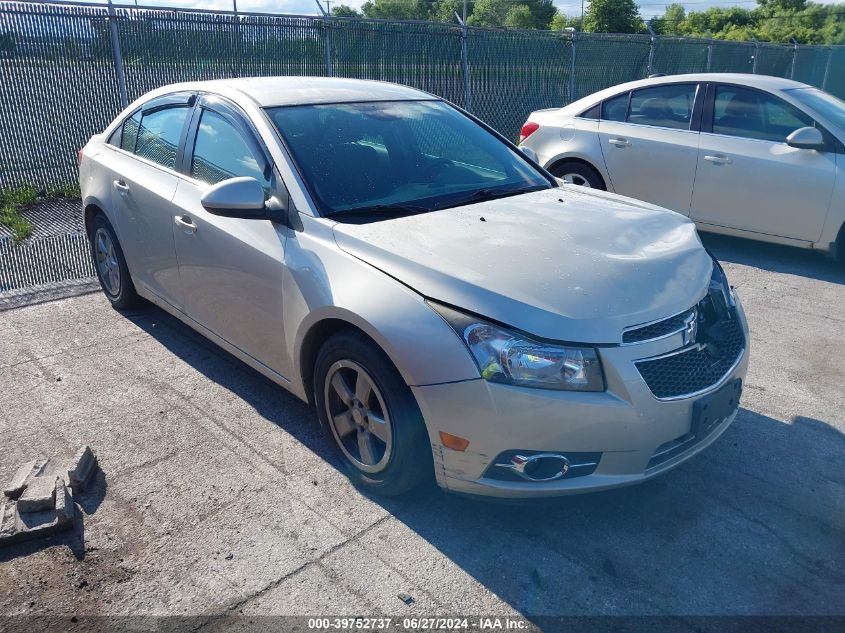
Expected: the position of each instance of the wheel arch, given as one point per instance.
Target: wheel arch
(560, 160)
(316, 336)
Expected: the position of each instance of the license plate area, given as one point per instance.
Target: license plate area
(708, 412)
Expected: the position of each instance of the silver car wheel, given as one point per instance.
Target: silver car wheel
(358, 416)
(106, 260)
(575, 179)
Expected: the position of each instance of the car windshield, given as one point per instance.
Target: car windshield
(399, 157)
(827, 105)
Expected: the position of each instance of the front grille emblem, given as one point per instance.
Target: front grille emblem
(690, 328)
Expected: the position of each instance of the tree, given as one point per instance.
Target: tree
(445, 10)
(672, 20)
(519, 16)
(613, 16)
(539, 13)
(489, 12)
(397, 9)
(345, 11)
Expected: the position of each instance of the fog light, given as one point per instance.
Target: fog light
(453, 441)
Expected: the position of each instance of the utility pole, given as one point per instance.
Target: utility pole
(465, 12)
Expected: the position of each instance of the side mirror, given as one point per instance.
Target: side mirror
(236, 198)
(530, 153)
(806, 138)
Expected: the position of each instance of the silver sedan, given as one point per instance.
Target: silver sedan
(452, 313)
(748, 155)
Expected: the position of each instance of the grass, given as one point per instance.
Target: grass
(13, 201)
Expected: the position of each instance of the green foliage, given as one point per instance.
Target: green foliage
(529, 14)
(13, 201)
(397, 9)
(445, 10)
(519, 17)
(772, 21)
(613, 16)
(345, 11)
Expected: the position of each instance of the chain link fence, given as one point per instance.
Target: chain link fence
(67, 69)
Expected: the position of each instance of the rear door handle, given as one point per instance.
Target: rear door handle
(186, 223)
(718, 159)
(619, 142)
(121, 186)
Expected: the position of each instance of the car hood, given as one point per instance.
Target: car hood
(564, 264)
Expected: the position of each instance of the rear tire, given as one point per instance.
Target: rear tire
(110, 264)
(370, 416)
(575, 173)
(839, 252)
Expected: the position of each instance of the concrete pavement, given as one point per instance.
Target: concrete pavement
(219, 495)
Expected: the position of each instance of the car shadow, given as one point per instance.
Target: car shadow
(755, 524)
(774, 257)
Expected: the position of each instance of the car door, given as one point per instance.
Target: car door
(144, 178)
(231, 269)
(649, 141)
(748, 177)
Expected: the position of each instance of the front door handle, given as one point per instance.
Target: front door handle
(619, 142)
(121, 186)
(186, 223)
(718, 159)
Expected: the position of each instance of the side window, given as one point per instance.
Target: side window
(159, 133)
(592, 113)
(125, 135)
(129, 132)
(615, 109)
(221, 152)
(663, 106)
(756, 115)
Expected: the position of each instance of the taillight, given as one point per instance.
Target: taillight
(78, 157)
(527, 130)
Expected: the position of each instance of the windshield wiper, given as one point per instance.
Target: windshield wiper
(482, 195)
(382, 210)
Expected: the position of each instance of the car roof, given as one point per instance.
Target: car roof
(764, 82)
(285, 91)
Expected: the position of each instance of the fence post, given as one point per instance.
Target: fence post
(327, 36)
(709, 54)
(650, 49)
(756, 55)
(827, 67)
(118, 57)
(236, 66)
(794, 55)
(572, 70)
(465, 64)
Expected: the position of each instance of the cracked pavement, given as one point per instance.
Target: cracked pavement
(219, 495)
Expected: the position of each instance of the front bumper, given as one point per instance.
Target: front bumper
(626, 424)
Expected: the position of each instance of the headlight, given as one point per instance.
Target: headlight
(719, 282)
(506, 356)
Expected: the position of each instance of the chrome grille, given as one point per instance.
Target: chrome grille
(660, 329)
(697, 367)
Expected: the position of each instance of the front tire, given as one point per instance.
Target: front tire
(574, 173)
(370, 416)
(110, 264)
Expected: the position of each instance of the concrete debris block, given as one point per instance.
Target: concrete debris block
(26, 472)
(64, 503)
(81, 468)
(7, 520)
(39, 494)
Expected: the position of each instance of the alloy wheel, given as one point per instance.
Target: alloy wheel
(575, 179)
(106, 259)
(358, 416)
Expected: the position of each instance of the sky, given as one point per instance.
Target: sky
(648, 8)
